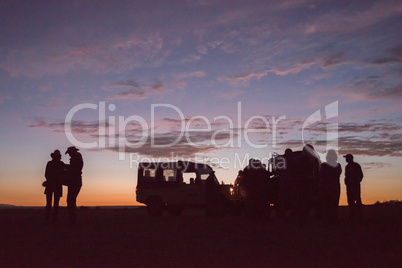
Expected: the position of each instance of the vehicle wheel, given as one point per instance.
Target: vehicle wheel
(155, 207)
(174, 210)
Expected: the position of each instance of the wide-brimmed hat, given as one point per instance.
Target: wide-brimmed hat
(72, 149)
(55, 153)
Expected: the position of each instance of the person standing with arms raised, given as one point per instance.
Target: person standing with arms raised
(74, 172)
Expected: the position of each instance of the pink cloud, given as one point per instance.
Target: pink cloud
(128, 95)
(297, 68)
(158, 85)
(244, 79)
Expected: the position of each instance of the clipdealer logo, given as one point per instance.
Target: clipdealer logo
(330, 112)
(112, 128)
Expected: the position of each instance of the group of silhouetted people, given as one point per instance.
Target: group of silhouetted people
(301, 185)
(58, 174)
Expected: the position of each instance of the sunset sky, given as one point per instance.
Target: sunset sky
(203, 75)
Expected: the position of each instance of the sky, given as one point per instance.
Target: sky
(214, 81)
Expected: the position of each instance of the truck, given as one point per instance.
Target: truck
(174, 186)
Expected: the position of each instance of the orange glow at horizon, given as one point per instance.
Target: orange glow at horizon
(94, 196)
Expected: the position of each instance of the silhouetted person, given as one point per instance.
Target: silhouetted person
(213, 202)
(286, 183)
(239, 184)
(255, 179)
(353, 177)
(74, 171)
(330, 187)
(53, 174)
(307, 181)
(239, 179)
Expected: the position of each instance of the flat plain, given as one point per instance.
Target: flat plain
(129, 237)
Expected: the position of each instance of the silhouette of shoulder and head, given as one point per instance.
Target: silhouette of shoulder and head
(348, 158)
(72, 150)
(255, 164)
(56, 155)
(332, 157)
(288, 152)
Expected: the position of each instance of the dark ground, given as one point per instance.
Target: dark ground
(129, 237)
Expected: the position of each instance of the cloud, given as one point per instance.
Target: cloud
(194, 142)
(375, 165)
(198, 140)
(134, 94)
(352, 20)
(368, 147)
(157, 85)
(374, 88)
(244, 79)
(387, 93)
(372, 127)
(108, 56)
(365, 89)
(334, 59)
(293, 69)
(58, 126)
(373, 138)
(394, 57)
(193, 123)
(355, 145)
(132, 90)
(130, 83)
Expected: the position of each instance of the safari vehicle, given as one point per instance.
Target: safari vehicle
(173, 186)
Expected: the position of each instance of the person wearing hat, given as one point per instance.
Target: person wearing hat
(74, 171)
(353, 178)
(53, 173)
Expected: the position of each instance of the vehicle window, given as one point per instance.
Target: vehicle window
(188, 176)
(149, 173)
(169, 175)
(204, 176)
